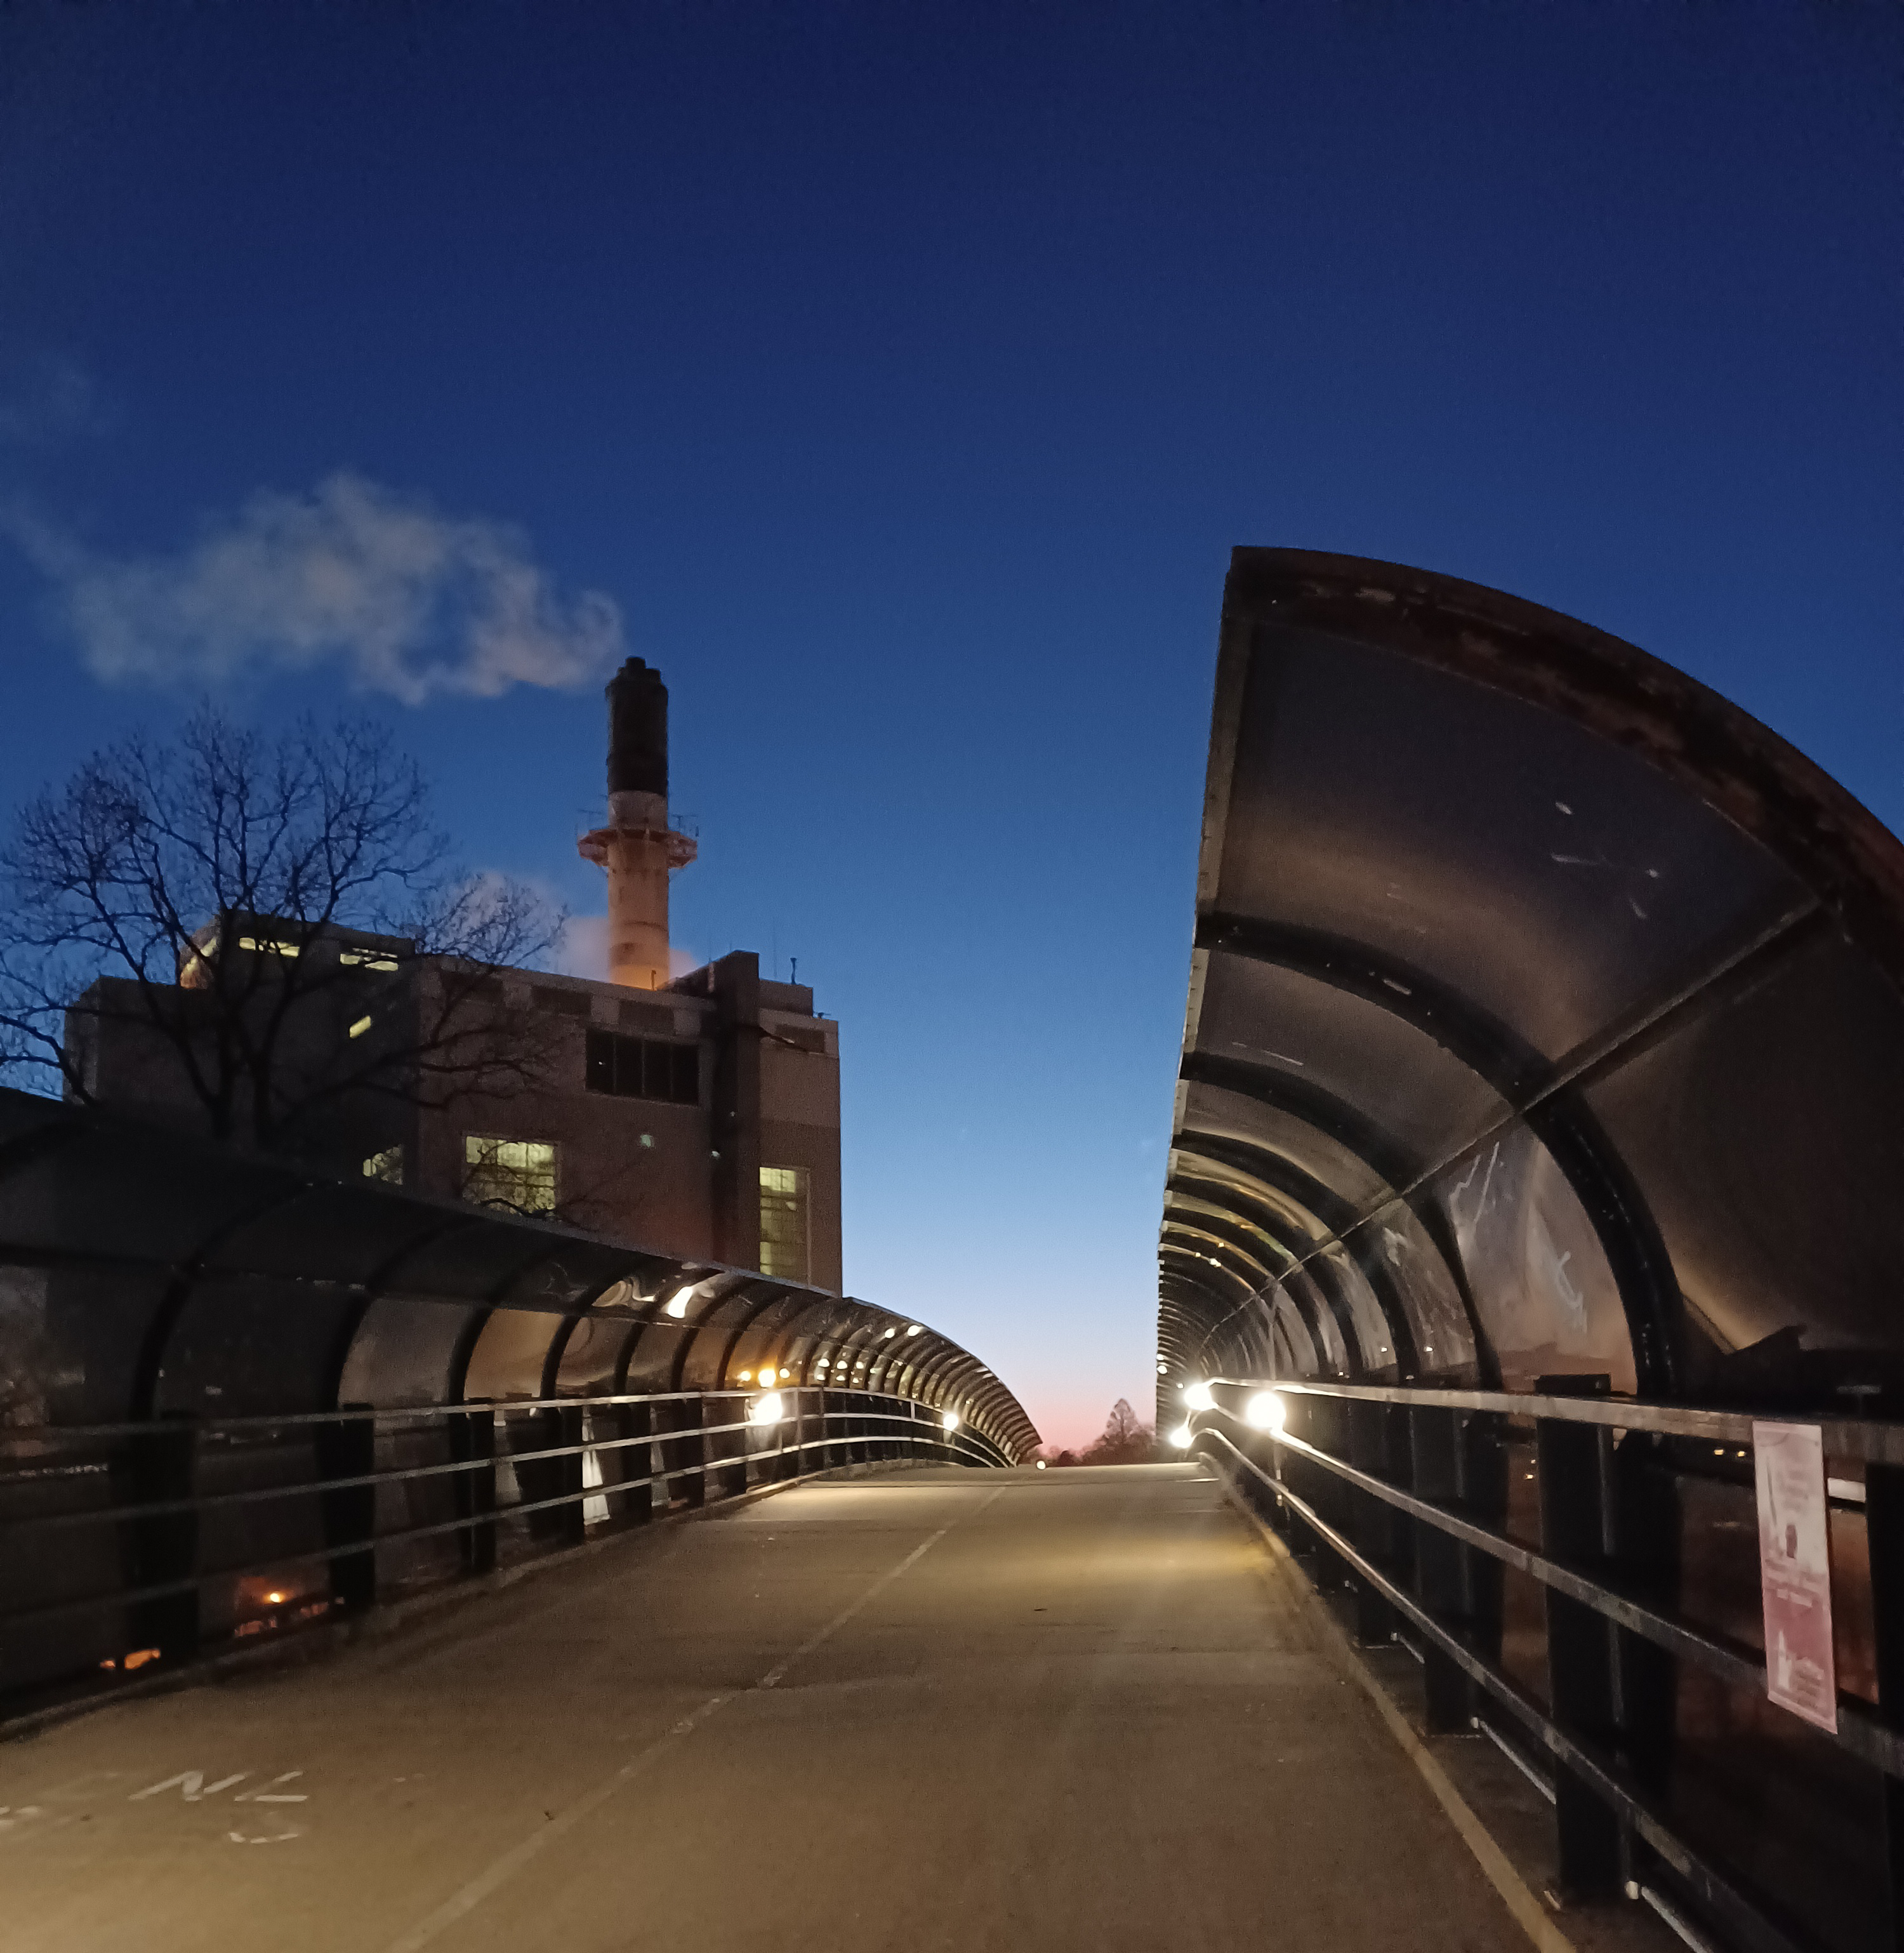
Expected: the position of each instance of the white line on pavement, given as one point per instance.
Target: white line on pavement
(467, 1897)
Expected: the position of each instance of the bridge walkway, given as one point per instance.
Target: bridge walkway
(935, 1708)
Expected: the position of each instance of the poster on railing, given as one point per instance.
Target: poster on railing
(1795, 1570)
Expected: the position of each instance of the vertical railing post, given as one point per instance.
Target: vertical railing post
(1297, 1472)
(159, 1465)
(1575, 1463)
(346, 1448)
(565, 1429)
(1643, 1542)
(693, 1450)
(632, 1502)
(1435, 1445)
(1331, 1496)
(1378, 1530)
(1481, 1484)
(472, 1442)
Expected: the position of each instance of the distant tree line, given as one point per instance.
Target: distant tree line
(1126, 1440)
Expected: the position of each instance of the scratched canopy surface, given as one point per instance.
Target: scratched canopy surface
(1545, 1016)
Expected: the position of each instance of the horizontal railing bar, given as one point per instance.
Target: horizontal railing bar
(1859, 1731)
(1867, 1439)
(161, 1509)
(126, 1597)
(1599, 1772)
(49, 1433)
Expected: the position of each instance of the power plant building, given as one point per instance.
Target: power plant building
(697, 1115)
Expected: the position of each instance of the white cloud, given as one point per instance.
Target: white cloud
(582, 950)
(409, 601)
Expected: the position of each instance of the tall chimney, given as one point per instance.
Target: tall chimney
(638, 847)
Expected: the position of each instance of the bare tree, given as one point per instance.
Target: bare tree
(224, 909)
(1126, 1439)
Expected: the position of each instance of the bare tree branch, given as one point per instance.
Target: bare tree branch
(200, 897)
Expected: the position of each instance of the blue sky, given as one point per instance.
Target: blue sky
(898, 380)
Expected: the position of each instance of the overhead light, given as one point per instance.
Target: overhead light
(915, 1329)
(1197, 1396)
(747, 1377)
(950, 1420)
(890, 1335)
(1180, 1438)
(766, 1410)
(1041, 1464)
(1267, 1411)
(677, 1303)
(768, 1374)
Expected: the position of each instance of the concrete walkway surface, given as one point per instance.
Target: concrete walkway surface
(922, 1710)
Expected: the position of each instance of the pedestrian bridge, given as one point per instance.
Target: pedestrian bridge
(929, 1707)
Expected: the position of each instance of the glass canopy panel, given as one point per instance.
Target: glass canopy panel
(244, 1346)
(1347, 1177)
(510, 1353)
(652, 1361)
(1420, 1100)
(122, 1190)
(328, 1232)
(98, 1321)
(402, 1353)
(1423, 1284)
(571, 1276)
(592, 1355)
(477, 1258)
(1767, 1126)
(1547, 1299)
(1365, 1327)
(1528, 865)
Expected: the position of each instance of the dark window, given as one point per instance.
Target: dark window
(600, 1072)
(638, 1068)
(570, 1003)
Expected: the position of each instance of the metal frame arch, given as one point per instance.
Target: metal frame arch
(1337, 1217)
(1298, 1280)
(1389, 1159)
(1524, 1079)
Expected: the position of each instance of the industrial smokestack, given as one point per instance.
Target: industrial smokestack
(638, 847)
(637, 732)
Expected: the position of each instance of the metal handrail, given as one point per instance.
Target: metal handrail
(1870, 1440)
(1860, 1731)
(266, 1421)
(301, 1487)
(125, 1596)
(878, 1419)
(1600, 1771)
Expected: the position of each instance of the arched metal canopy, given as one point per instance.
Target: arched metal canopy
(1546, 1015)
(168, 1275)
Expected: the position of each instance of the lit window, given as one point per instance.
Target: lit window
(783, 1222)
(359, 1027)
(269, 945)
(367, 959)
(387, 1166)
(518, 1175)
